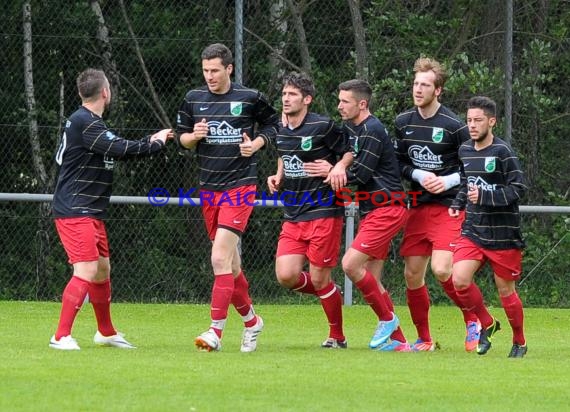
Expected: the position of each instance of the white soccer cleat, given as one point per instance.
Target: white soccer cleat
(116, 341)
(64, 343)
(249, 339)
(208, 341)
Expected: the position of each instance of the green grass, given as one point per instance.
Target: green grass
(289, 372)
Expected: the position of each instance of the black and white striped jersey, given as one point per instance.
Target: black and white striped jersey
(228, 115)
(494, 222)
(375, 167)
(86, 156)
(305, 197)
(430, 145)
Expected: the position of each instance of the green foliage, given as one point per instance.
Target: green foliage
(163, 255)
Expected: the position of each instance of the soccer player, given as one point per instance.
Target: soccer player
(492, 186)
(374, 171)
(87, 154)
(217, 120)
(428, 137)
(312, 229)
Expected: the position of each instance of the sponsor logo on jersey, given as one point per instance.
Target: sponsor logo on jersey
(480, 183)
(293, 166)
(223, 133)
(355, 147)
(109, 163)
(236, 108)
(437, 134)
(422, 157)
(490, 164)
(307, 143)
(110, 135)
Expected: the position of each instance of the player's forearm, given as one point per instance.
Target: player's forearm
(346, 160)
(188, 140)
(258, 143)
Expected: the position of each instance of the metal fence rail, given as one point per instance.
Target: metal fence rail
(160, 254)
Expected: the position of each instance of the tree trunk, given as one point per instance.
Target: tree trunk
(164, 120)
(297, 16)
(359, 40)
(30, 97)
(109, 65)
(279, 23)
(42, 238)
(534, 138)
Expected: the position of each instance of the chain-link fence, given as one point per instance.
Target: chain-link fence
(151, 53)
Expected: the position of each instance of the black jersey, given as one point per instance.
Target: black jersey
(86, 154)
(375, 167)
(305, 197)
(228, 115)
(494, 222)
(430, 145)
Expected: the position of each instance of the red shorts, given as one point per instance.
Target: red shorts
(377, 229)
(506, 263)
(429, 228)
(318, 240)
(84, 238)
(228, 209)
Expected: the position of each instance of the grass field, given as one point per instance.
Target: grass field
(289, 371)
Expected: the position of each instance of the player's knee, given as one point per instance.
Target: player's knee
(286, 278)
(460, 283)
(320, 283)
(350, 267)
(413, 277)
(441, 272)
(221, 263)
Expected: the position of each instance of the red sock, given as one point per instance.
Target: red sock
(418, 303)
(242, 301)
(331, 300)
(305, 285)
(514, 310)
(368, 285)
(222, 292)
(472, 299)
(398, 334)
(71, 301)
(449, 289)
(100, 298)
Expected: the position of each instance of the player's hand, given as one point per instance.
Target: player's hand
(274, 183)
(246, 148)
(318, 168)
(200, 130)
(337, 177)
(453, 212)
(434, 184)
(163, 135)
(473, 193)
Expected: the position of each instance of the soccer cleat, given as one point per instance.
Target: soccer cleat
(208, 341)
(472, 330)
(517, 351)
(394, 346)
(332, 343)
(383, 331)
(116, 341)
(64, 343)
(424, 346)
(485, 337)
(249, 338)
